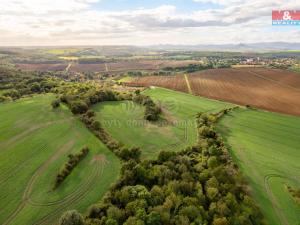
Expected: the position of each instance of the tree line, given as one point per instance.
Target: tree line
(68, 167)
(152, 111)
(118, 148)
(15, 83)
(198, 185)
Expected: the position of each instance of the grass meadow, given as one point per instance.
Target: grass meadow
(174, 131)
(266, 147)
(34, 143)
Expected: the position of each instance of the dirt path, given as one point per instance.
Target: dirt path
(188, 84)
(68, 67)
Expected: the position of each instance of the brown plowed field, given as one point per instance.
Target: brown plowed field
(274, 90)
(148, 64)
(80, 68)
(112, 67)
(282, 76)
(42, 67)
(177, 83)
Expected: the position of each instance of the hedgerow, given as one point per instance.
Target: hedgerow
(69, 166)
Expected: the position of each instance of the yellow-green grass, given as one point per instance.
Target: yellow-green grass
(126, 79)
(266, 147)
(71, 58)
(34, 143)
(175, 131)
(62, 51)
(246, 66)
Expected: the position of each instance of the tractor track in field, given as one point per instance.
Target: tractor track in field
(81, 192)
(32, 129)
(82, 188)
(23, 164)
(6, 176)
(275, 204)
(37, 173)
(64, 203)
(274, 81)
(15, 170)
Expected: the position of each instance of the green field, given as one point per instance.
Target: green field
(176, 130)
(266, 147)
(34, 143)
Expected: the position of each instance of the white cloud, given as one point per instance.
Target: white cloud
(220, 2)
(50, 22)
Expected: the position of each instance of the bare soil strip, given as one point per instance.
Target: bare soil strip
(68, 67)
(188, 84)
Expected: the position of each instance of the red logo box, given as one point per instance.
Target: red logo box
(286, 15)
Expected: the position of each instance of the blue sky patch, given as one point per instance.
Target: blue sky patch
(181, 5)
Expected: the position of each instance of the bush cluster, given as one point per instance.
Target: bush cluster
(55, 103)
(295, 193)
(152, 111)
(70, 165)
(80, 102)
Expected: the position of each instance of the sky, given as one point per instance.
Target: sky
(137, 22)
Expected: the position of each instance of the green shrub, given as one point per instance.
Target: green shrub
(71, 218)
(79, 107)
(55, 103)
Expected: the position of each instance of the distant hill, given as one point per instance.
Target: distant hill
(260, 46)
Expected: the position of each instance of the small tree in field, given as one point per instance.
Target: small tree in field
(55, 103)
(71, 217)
